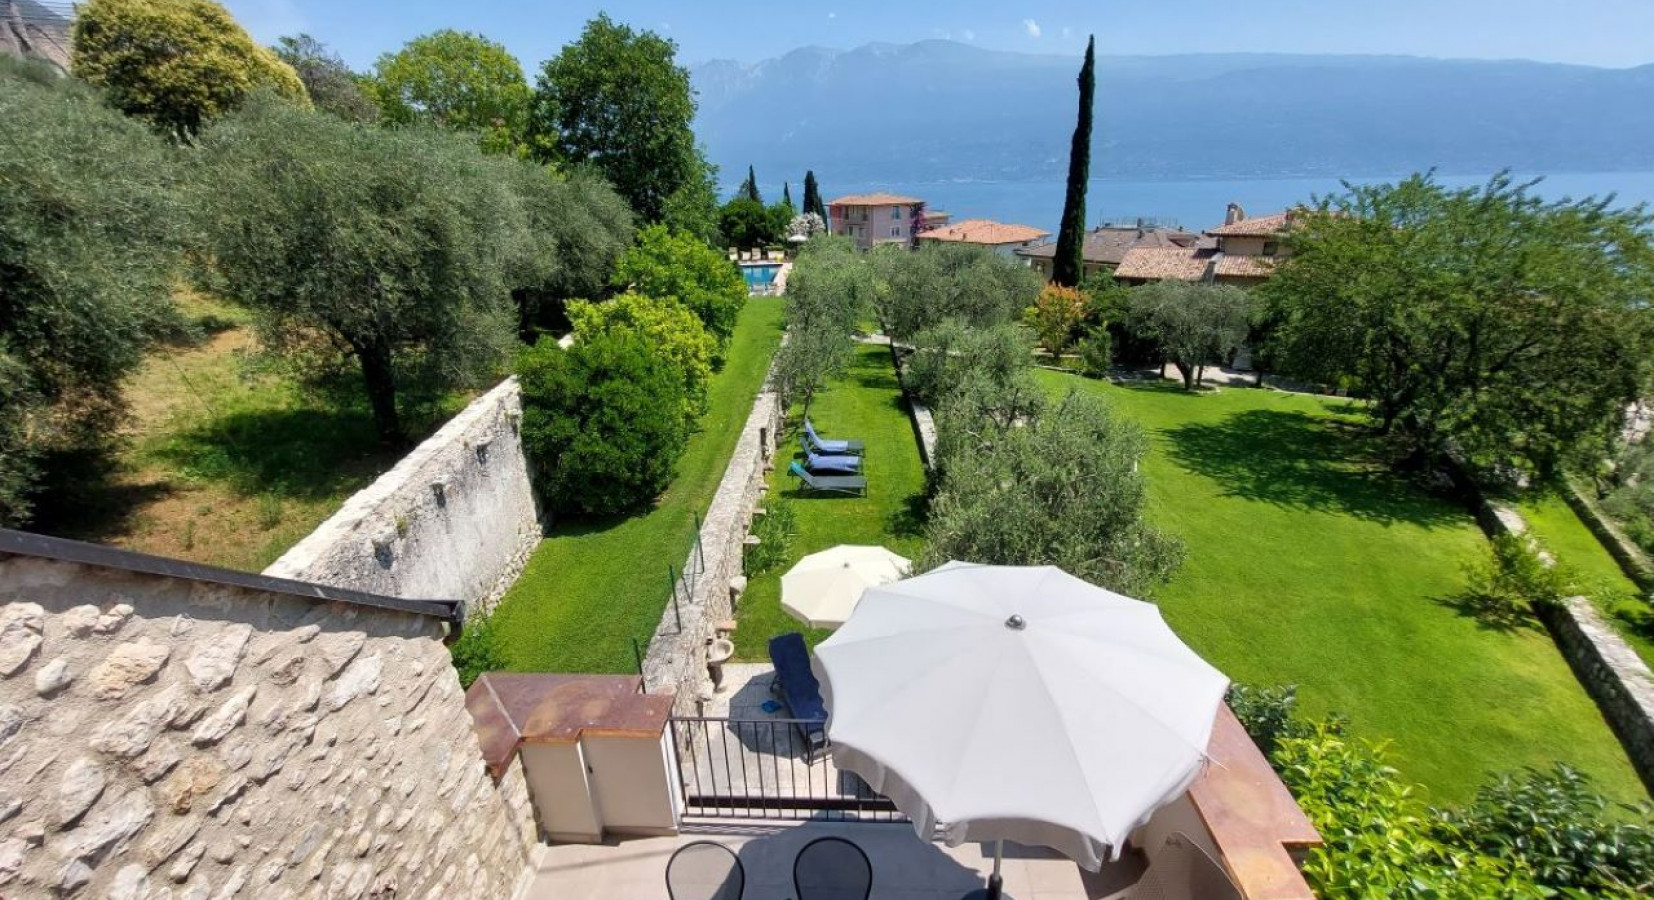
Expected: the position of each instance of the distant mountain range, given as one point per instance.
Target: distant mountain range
(36, 30)
(941, 111)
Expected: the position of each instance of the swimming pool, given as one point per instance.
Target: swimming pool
(759, 276)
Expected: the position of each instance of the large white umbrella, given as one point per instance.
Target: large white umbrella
(1018, 703)
(823, 588)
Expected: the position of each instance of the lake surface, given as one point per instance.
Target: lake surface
(1197, 205)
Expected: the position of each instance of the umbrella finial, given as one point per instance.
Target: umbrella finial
(1016, 623)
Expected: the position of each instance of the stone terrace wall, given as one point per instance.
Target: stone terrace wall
(455, 519)
(677, 658)
(164, 738)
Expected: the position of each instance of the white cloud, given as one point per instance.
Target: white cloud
(1031, 26)
(832, 15)
(969, 35)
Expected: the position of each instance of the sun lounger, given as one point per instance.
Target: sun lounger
(824, 463)
(831, 484)
(826, 446)
(799, 689)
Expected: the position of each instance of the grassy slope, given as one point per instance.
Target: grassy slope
(1308, 563)
(226, 464)
(865, 404)
(1576, 548)
(593, 586)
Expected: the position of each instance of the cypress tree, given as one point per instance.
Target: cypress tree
(787, 194)
(749, 188)
(812, 196)
(1069, 263)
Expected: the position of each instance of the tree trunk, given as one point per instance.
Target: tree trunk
(381, 383)
(1187, 373)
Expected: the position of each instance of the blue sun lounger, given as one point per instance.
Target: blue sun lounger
(798, 688)
(818, 463)
(827, 484)
(824, 445)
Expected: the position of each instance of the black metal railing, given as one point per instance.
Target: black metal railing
(765, 769)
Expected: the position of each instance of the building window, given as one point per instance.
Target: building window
(1270, 248)
(895, 212)
(895, 231)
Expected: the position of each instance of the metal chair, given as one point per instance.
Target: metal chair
(832, 868)
(705, 870)
(1183, 870)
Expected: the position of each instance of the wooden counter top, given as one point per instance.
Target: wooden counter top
(509, 709)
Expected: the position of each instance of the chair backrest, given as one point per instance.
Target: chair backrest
(1183, 870)
(797, 471)
(832, 868)
(791, 659)
(705, 870)
(810, 430)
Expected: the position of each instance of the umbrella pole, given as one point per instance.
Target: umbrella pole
(995, 883)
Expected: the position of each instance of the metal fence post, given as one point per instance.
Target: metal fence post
(672, 582)
(637, 651)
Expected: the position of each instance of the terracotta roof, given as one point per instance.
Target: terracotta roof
(984, 231)
(1108, 245)
(1256, 226)
(879, 199)
(1160, 263)
(1231, 266)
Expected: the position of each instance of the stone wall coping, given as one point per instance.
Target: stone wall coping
(509, 709)
(21, 543)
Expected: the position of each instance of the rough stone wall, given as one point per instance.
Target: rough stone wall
(455, 519)
(677, 657)
(1630, 557)
(1608, 668)
(174, 740)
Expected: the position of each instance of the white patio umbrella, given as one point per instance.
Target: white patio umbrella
(823, 588)
(1018, 703)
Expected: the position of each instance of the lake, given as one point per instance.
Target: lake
(1196, 205)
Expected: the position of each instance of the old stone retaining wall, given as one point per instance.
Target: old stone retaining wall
(1609, 669)
(676, 659)
(164, 737)
(455, 519)
(1631, 558)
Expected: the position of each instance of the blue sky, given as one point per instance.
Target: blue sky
(1592, 32)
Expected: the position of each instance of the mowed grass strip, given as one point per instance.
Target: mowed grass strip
(1555, 523)
(865, 404)
(1310, 563)
(593, 586)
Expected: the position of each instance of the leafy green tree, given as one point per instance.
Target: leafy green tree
(746, 223)
(1062, 490)
(779, 216)
(693, 207)
(1485, 320)
(332, 86)
(389, 247)
(1193, 324)
(1057, 316)
(460, 81)
(176, 63)
(616, 99)
(1068, 266)
(89, 247)
(946, 353)
(949, 281)
(787, 195)
(669, 326)
(603, 422)
(667, 264)
(577, 227)
(812, 196)
(749, 189)
(825, 300)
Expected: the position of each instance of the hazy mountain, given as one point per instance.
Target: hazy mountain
(939, 110)
(35, 31)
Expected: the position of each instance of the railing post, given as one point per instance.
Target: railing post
(672, 582)
(637, 651)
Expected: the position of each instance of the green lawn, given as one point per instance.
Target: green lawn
(1555, 523)
(865, 404)
(1309, 563)
(592, 587)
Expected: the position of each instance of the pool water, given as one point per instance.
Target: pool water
(759, 276)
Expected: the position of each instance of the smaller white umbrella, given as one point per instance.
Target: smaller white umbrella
(824, 588)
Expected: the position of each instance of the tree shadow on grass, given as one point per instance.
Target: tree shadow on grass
(1300, 461)
(303, 454)
(1489, 617)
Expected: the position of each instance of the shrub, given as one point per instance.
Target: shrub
(477, 650)
(1096, 351)
(1269, 714)
(675, 333)
(775, 530)
(1056, 316)
(176, 63)
(666, 264)
(1513, 582)
(603, 422)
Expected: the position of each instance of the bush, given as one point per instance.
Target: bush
(1096, 351)
(1056, 316)
(477, 650)
(666, 264)
(603, 422)
(176, 63)
(675, 333)
(775, 530)
(1269, 714)
(89, 247)
(1513, 582)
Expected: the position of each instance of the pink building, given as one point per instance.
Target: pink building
(872, 219)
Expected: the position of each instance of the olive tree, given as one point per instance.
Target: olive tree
(949, 281)
(332, 86)
(1062, 488)
(828, 292)
(388, 246)
(176, 63)
(1193, 324)
(88, 251)
(577, 228)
